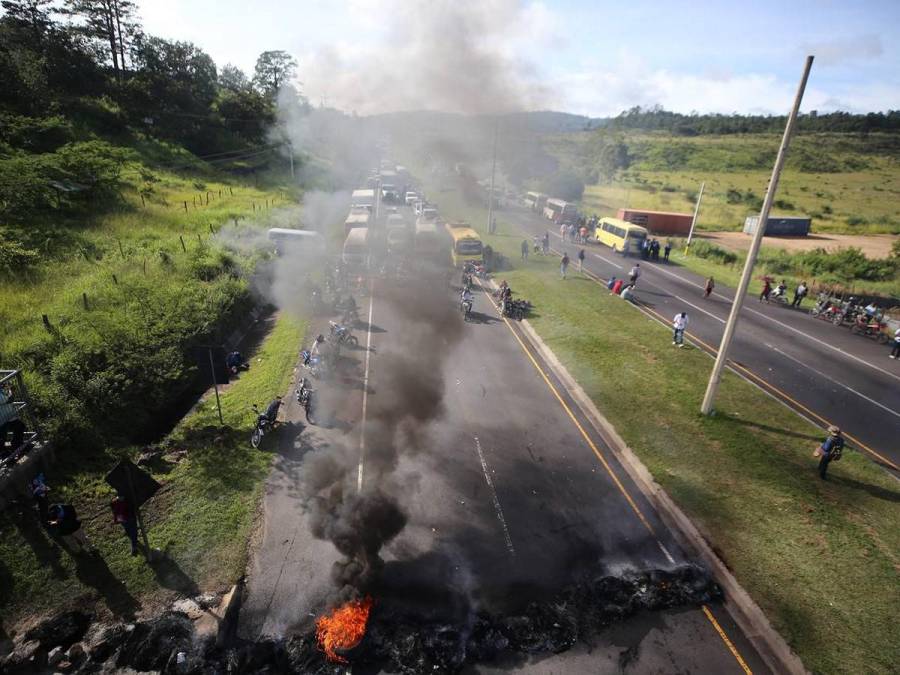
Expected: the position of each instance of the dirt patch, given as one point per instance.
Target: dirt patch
(872, 245)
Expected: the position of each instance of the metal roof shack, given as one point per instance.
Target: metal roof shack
(658, 222)
(780, 226)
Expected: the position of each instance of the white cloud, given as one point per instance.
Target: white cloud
(845, 50)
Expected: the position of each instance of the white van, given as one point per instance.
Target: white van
(427, 243)
(365, 198)
(356, 248)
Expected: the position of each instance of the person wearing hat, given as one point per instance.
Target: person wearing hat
(831, 450)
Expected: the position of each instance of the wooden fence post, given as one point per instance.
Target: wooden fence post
(185, 206)
(84, 298)
(121, 250)
(199, 239)
(211, 230)
(145, 265)
(183, 247)
(46, 320)
(143, 203)
(230, 191)
(115, 280)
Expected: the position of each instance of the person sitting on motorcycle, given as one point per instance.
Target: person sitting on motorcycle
(781, 291)
(272, 411)
(314, 350)
(466, 296)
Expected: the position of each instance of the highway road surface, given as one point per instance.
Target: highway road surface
(823, 371)
(507, 489)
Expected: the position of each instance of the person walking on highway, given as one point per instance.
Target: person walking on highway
(634, 273)
(546, 242)
(667, 250)
(525, 250)
(895, 350)
(564, 265)
(767, 288)
(799, 294)
(581, 260)
(679, 324)
(831, 450)
(710, 285)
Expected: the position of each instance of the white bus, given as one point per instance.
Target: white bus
(559, 211)
(364, 198)
(286, 239)
(535, 201)
(356, 248)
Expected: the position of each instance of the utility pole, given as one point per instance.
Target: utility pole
(694, 219)
(722, 356)
(212, 371)
(493, 171)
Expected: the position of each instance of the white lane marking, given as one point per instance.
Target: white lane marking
(833, 381)
(791, 328)
(597, 255)
(365, 401)
(666, 553)
(495, 499)
(825, 344)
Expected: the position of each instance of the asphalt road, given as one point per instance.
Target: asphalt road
(821, 370)
(507, 491)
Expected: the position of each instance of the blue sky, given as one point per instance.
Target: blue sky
(594, 58)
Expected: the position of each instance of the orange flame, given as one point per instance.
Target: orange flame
(343, 628)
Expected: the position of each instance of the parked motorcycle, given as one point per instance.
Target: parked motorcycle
(515, 309)
(828, 312)
(265, 422)
(466, 308)
(342, 335)
(305, 399)
(314, 363)
(870, 327)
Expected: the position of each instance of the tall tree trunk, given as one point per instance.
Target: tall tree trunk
(111, 36)
(115, 4)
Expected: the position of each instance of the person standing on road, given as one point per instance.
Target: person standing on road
(546, 242)
(667, 250)
(679, 324)
(581, 260)
(767, 288)
(564, 265)
(710, 285)
(525, 250)
(895, 350)
(123, 514)
(634, 273)
(799, 294)
(831, 450)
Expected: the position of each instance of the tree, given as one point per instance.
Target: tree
(272, 70)
(110, 23)
(233, 78)
(33, 14)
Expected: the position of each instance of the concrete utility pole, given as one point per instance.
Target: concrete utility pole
(722, 356)
(493, 170)
(694, 219)
(291, 156)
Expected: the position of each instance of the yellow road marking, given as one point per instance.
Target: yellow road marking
(599, 455)
(728, 643)
(764, 384)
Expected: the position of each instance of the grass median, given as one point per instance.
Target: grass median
(821, 558)
(202, 518)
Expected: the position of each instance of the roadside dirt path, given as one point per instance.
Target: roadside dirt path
(873, 245)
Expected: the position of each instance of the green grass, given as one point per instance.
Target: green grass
(846, 183)
(202, 517)
(821, 559)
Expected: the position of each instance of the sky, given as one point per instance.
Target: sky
(594, 58)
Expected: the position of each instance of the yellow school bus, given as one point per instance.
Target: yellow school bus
(465, 243)
(620, 235)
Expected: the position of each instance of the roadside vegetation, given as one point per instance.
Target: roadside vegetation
(821, 558)
(202, 518)
(847, 183)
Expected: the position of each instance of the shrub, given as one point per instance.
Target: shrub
(784, 204)
(15, 257)
(857, 220)
(707, 251)
(35, 134)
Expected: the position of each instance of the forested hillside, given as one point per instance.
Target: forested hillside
(121, 154)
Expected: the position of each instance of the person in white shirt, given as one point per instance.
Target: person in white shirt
(628, 293)
(895, 352)
(635, 273)
(679, 323)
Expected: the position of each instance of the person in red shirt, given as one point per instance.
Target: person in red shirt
(124, 515)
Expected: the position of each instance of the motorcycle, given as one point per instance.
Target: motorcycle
(314, 363)
(515, 309)
(342, 334)
(779, 295)
(305, 399)
(263, 426)
(828, 312)
(474, 269)
(870, 327)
